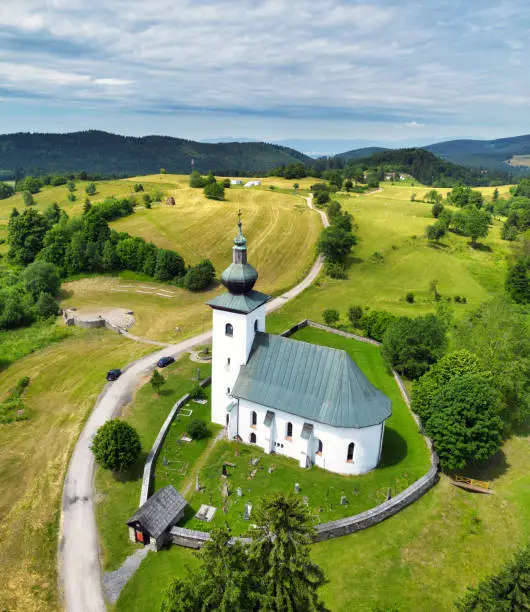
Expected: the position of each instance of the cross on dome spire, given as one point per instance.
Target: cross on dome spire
(240, 276)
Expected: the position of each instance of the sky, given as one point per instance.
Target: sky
(385, 71)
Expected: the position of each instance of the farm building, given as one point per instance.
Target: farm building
(236, 182)
(151, 523)
(253, 184)
(309, 402)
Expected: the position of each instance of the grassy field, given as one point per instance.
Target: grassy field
(66, 379)
(280, 229)
(118, 497)
(393, 226)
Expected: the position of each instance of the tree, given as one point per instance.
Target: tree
(71, 186)
(168, 265)
(197, 429)
(157, 381)
(28, 198)
(330, 316)
(457, 363)
(433, 196)
(52, 214)
(46, 306)
(223, 581)
(518, 282)
(109, 259)
(437, 209)
(91, 189)
(14, 213)
(41, 277)
(116, 445)
(25, 236)
(200, 276)
(476, 224)
(147, 200)
(6, 191)
(322, 198)
(508, 590)
(286, 578)
(495, 197)
(335, 243)
(436, 231)
(138, 187)
(410, 346)
(355, 314)
(86, 206)
(296, 186)
(214, 191)
(30, 183)
(464, 424)
(348, 185)
(498, 333)
(376, 322)
(196, 180)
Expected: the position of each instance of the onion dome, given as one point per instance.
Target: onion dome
(240, 277)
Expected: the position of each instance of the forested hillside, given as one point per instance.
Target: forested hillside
(98, 152)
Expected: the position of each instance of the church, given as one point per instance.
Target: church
(309, 402)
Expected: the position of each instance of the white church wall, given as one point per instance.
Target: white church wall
(235, 348)
(335, 440)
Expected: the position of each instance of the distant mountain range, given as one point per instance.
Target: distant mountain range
(109, 154)
(99, 152)
(502, 154)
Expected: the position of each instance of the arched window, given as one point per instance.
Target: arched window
(227, 420)
(253, 438)
(256, 325)
(351, 447)
(289, 430)
(253, 418)
(229, 330)
(228, 390)
(320, 447)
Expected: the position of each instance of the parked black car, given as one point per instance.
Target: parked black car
(113, 374)
(165, 361)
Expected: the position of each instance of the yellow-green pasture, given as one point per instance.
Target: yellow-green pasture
(393, 257)
(66, 379)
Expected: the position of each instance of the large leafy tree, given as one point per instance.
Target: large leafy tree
(25, 236)
(41, 277)
(116, 445)
(476, 224)
(427, 386)
(499, 334)
(279, 553)
(335, 243)
(508, 591)
(464, 424)
(410, 346)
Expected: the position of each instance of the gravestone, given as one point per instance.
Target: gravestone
(343, 500)
(239, 492)
(270, 469)
(305, 499)
(389, 493)
(197, 485)
(248, 510)
(296, 487)
(254, 461)
(225, 492)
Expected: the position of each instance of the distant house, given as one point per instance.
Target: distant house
(153, 520)
(236, 182)
(253, 184)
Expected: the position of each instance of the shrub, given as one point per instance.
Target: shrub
(91, 189)
(410, 297)
(40, 277)
(28, 198)
(157, 381)
(198, 392)
(334, 269)
(138, 187)
(355, 314)
(46, 306)
(410, 346)
(200, 276)
(226, 183)
(330, 316)
(116, 445)
(376, 322)
(214, 191)
(196, 180)
(197, 429)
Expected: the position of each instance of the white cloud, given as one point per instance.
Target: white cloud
(415, 125)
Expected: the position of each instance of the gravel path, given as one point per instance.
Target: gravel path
(80, 580)
(113, 582)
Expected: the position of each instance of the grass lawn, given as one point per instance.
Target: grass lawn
(118, 496)
(66, 379)
(405, 458)
(389, 224)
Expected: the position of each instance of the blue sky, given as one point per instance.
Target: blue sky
(278, 69)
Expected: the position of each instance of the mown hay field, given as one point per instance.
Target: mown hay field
(66, 379)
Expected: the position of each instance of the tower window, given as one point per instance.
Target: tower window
(351, 447)
(228, 361)
(228, 390)
(256, 325)
(289, 430)
(253, 418)
(229, 330)
(253, 438)
(320, 447)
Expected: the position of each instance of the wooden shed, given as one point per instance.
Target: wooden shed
(151, 523)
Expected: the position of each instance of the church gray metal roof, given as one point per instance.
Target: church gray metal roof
(159, 511)
(243, 303)
(315, 382)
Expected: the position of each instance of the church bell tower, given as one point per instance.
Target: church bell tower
(238, 314)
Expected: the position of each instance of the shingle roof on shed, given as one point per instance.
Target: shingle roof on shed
(315, 382)
(159, 511)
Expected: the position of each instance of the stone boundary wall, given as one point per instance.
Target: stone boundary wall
(191, 538)
(153, 453)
